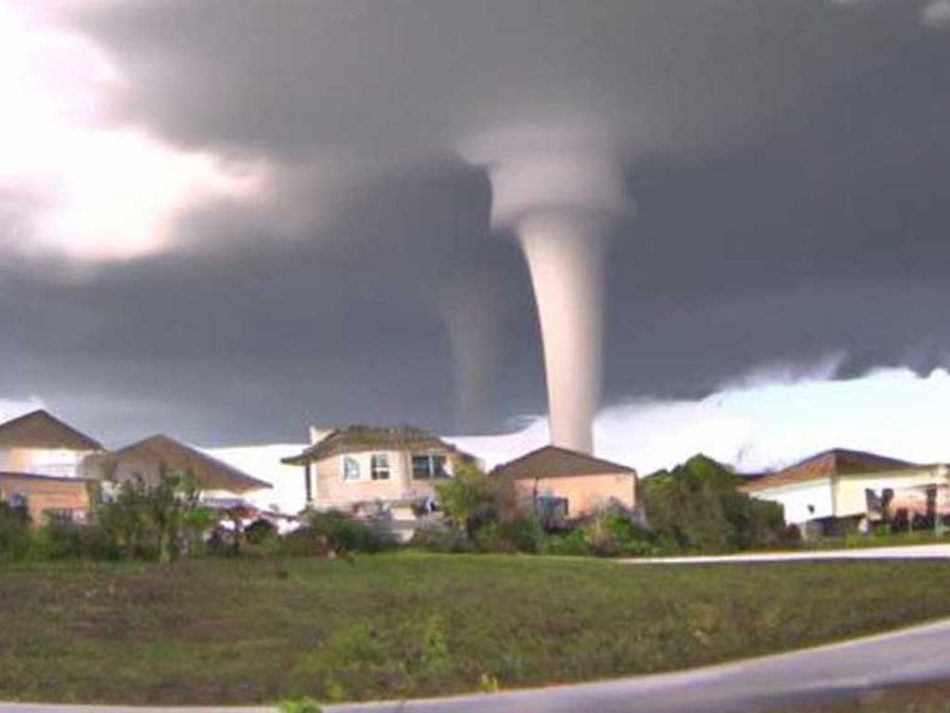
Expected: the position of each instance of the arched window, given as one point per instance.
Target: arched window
(351, 468)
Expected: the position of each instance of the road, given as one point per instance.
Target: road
(906, 552)
(916, 654)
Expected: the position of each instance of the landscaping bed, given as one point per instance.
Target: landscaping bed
(395, 625)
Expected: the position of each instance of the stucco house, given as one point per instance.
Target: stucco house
(41, 444)
(41, 467)
(389, 471)
(149, 458)
(827, 490)
(46, 496)
(586, 483)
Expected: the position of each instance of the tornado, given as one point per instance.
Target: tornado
(560, 203)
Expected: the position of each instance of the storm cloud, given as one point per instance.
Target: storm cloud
(788, 160)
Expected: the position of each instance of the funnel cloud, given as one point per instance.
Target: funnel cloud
(560, 205)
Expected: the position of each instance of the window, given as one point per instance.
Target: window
(351, 468)
(427, 467)
(19, 501)
(379, 466)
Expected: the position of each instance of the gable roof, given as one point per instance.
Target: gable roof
(557, 462)
(39, 429)
(211, 473)
(358, 438)
(837, 461)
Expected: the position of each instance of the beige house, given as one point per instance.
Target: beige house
(364, 468)
(45, 496)
(587, 484)
(830, 488)
(41, 464)
(149, 458)
(40, 444)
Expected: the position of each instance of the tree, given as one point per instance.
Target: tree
(469, 500)
(149, 520)
(487, 509)
(698, 506)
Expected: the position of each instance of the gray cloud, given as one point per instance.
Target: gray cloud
(788, 160)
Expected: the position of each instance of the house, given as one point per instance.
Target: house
(826, 491)
(41, 464)
(364, 469)
(149, 458)
(40, 444)
(586, 483)
(46, 496)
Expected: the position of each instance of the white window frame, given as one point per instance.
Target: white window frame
(379, 468)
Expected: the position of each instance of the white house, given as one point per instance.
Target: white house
(827, 489)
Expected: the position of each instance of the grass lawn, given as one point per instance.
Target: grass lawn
(398, 625)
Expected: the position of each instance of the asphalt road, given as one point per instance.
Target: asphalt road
(906, 552)
(916, 654)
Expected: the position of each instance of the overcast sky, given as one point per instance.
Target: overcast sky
(226, 219)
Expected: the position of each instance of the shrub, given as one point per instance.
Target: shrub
(15, 540)
(573, 543)
(151, 521)
(260, 532)
(524, 532)
(487, 511)
(436, 537)
(64, 539)
(335, 533)
(698, 507)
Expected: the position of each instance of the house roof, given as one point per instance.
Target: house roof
(211, 473)
(838, 461)
(39, 429)
(556, 462)
(354, 439)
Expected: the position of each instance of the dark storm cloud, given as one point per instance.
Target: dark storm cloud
(814, 219)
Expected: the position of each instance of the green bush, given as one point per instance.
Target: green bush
(152, 521)
(698, 507)
(337, 533)
(524, 532)
(440, 538)
(606, 535)
(15, 540)
(64, 539)
(573, 543)
(486, 510)
(260, 532)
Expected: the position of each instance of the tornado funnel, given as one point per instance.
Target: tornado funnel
(560, 206)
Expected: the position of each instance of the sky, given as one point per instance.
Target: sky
(225, 225)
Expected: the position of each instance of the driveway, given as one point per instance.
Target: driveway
(916, 654)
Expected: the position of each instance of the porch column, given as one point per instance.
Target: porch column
(307, 484)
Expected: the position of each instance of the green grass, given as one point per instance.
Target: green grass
(399, 625)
